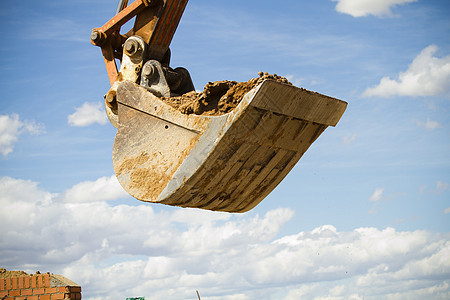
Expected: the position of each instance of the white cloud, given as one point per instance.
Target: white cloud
(426, 76)
(11, 127)
(429, 124)
(377, 195)
(120, 251)
(88, 114)
(362, 8)
(441, 187)
(295, 80)
(422, 188)
(346, 140)
(447, 210)
(103, 189)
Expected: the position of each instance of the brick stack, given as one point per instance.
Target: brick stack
(39, 287)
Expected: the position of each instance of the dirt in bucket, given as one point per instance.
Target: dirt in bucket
(219, 97)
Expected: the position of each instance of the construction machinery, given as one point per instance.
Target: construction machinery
(226, 162)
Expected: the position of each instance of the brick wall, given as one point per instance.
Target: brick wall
(39, 287)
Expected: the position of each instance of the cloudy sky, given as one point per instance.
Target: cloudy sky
(364, 215)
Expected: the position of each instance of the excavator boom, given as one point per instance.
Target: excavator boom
(228, 149)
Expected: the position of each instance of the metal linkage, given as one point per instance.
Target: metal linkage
(165, 81)
(148, 41)
(156, 22)
(154, 80)
(121, 6)
(135, 50)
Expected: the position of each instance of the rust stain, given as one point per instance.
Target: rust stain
(129, 163)
(119, 77)
(148, 181)
(149, 174)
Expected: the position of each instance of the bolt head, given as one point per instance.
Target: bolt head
(111, 97)
(131, 47)
(149, 70)
(95, 35)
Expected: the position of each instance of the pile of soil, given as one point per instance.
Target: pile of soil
(218, 97)
(6, 274)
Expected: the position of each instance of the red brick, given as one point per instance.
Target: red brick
(33, 281)
(51, 290)
(20, 282)
(26, 283)
(63, 289)
(20, 298)
(14, 293)
(44, 297)
(40, 281)
(47, 280)
(14, 283)
(38, 291)
(58, 296)
(75, 289)
(3, 293)
(8, 283)
(33, 298)
(2, 284)
(26, 292)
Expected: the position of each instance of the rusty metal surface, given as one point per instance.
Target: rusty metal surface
(146, 21)
(157, 25)
(226, 163)
(165, 29)
(156, 22)
(121, 6)
(116, 22)
(110, 63)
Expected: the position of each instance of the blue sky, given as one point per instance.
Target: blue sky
(364, 215)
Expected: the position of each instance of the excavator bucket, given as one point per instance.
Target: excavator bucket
(225, 162)
(222, 163)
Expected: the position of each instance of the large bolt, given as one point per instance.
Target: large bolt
(97, 37)
(111, 98)
(149, 70)
(131, 47)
